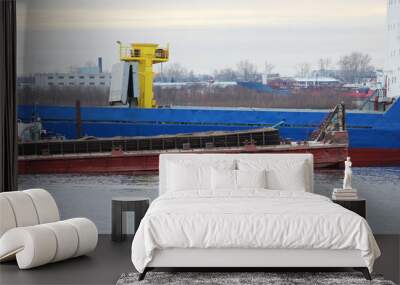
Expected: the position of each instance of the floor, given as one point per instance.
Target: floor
(110, 260)
(103, 266)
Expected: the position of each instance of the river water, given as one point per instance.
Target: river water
(90, 195)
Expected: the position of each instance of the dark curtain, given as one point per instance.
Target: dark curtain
(8, 116)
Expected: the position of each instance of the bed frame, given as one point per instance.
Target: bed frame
(260, 259)
(242, 259)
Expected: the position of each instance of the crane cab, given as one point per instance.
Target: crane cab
(132, 78)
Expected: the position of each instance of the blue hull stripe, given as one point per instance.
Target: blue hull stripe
(366, 130)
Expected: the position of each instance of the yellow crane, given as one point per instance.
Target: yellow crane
(145, 54)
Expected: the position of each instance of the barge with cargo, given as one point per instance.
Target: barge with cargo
(141, 154)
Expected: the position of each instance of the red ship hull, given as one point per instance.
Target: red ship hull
(120, 162)
(128, 163)
(365, 157)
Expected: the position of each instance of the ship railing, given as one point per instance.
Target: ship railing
(128, 53)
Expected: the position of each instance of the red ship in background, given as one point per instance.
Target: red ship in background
(314, 86)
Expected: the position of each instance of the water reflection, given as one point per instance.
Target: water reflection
(90, 195)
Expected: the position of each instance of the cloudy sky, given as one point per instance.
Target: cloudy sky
(203, 35)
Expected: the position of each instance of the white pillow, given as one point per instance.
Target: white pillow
(282, 174)
(223, 179)
(183, 177)
(251, 178)
(288, 176)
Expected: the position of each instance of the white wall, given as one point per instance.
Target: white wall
(392, 64)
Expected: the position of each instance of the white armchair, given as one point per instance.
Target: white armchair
(31, 231)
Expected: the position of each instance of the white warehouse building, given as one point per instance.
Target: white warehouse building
(81, 76)
(392, 63)
(72, 79)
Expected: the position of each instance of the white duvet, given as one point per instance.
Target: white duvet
(250, 219)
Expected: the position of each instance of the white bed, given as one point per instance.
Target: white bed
(203, 219)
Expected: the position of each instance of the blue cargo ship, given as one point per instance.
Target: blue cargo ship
(374, 136)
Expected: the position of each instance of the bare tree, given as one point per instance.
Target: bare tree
(268, 67)
(247, 71)
(324, 65)
(174, 72)
(191, 76)
(303, 69)
(355, 66)
(225, 74)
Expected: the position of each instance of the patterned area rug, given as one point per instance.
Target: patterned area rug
(243, 278)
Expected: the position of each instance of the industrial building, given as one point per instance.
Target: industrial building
(82, 76)
(307, 82)
(392, 64)
(72, 79)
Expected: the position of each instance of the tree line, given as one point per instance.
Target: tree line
(351, 68)
(236, 96)
(193, 95)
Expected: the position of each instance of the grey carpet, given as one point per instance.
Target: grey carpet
(243, 278)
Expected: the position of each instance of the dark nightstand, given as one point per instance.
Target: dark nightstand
(358, 206)
(139, 205)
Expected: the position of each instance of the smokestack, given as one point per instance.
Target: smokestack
(100, 64)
